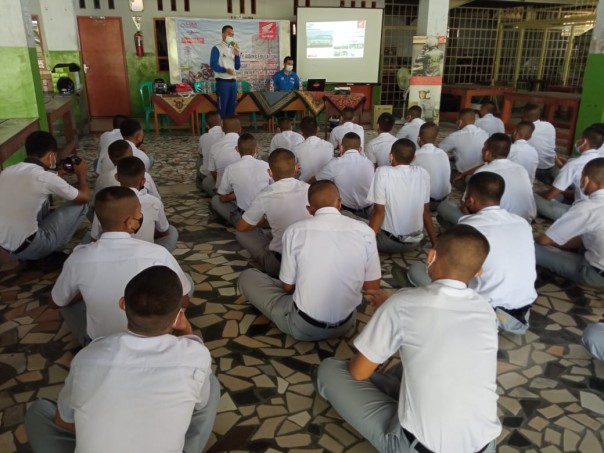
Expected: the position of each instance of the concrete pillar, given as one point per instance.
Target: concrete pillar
(432, 17)
(592, 99)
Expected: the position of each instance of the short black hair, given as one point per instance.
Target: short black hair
(130, 127)
(308, 125)
(486, 185)
(246, 144)
(403, 151)
(38, 143)
(213, 118)
(348, 113)
(489, 106)
(499, 144)
(152, 298)
(226, 27)
(351, 140)
(285, 123)
(386, 121)
(415, 111)
(594, 169)
(118, 120)
(594, 136)
(130, 167)
(287, 59)
(118, 149)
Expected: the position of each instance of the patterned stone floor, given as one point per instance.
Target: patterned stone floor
(551, 389)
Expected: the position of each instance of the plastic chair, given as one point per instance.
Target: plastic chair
(146, 90)
(246, 87)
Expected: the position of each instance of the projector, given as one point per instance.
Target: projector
(341, 90)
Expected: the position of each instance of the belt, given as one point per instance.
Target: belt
(355, 210)
(218, 79)
(437, 201)
(518, 313)
(321, 324)
(420, 448)
(402, 239)
(25, 244)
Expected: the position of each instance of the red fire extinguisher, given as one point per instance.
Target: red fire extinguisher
(138, 44)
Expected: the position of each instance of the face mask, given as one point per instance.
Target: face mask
(431, 262)
(584, 186)
(140, 224)
(289, 68)
(53, 162)
(577, 148)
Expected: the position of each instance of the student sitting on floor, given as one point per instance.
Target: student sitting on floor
(206, 141)
(436, 162)
(155, 227)
(133, 133)
(286, 138)
(401, 197)
(95, 275)
(241, 181)
(352, 173)
(346, 125)
(593, 339)
(281, 204)
(550, 203)
(521, 152)
(413, 121)
(518, 197)
(543, 140)
(29, 230)
(488, 122)
(149, 388)
(378, 149)
(573, 246)
(106, 139)
(222, 153)
(327, 260)
(446, 335)
(465, 143)
(314, 152)
(117, 151)
(508, 277)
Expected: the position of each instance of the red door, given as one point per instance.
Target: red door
(104, 58)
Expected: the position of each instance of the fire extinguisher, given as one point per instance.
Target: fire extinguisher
(138, 44)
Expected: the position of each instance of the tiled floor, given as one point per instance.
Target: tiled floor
(551, 389)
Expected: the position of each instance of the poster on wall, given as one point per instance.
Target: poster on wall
(427, 75)
(191, 42)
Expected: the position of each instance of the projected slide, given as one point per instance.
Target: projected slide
(336, 39)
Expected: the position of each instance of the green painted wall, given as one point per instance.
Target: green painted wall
(54, 57)
(141, 69)
(592, 99)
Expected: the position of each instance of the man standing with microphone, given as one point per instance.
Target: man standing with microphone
(225, 60)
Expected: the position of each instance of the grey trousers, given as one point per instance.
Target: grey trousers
(386, 244)
(570, 265)
(45, 436)
(228, 211)
(169, 241)
(547, 175)
(268, 296)
(448, 214)
(593, 339)
(256, 243)
(418, 276)
(55, 230)
(551, 209)
(208, 185)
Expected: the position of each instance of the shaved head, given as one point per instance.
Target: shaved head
(231, 124)
(487, 187)
(531, 112)
(351, 140)
(525, 129)
(403, 151)
(246, 145)
(594, 170)
(282, 163)
(468, 116)
(428, 132)
(114, 205)
(461, 251)
(323, 194)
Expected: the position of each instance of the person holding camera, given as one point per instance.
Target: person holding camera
(29, 229)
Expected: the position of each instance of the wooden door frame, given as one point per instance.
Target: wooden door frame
(119, 19)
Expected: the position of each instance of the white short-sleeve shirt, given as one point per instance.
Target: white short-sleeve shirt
(436, 162)
(524, 154)
(570, 173)
(286, 140)
(206, 141)
(410, 130)
(312, 155)
(378, 149)
(490, 124)
(508, 274)
(282, 203)
(24, 188)
(154, 218)
(222, 154)
(108, 179)
(467, 144)
(544, 141)
(352, 173)
(585, 218)
(446, 336)
(518, 196)
(107, 138)
(338, 133)
(140, 154)
(100, 272)
(328, 258)
(246, 178)
(403, 190)
(164, 378)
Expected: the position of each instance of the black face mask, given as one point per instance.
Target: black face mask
(140, 224)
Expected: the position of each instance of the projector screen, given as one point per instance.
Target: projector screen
(341, 45)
